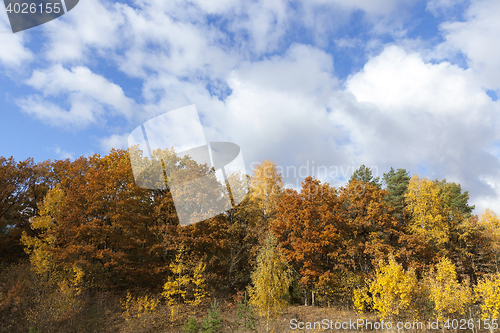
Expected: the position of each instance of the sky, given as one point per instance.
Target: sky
(319, 87)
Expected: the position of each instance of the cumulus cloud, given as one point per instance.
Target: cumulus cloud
(411, 113)
(116, 141)
(278, 108)
(93, 26)
(476, 38)
(13, 53)
(81, 113)
(87, 94)
(63, 154)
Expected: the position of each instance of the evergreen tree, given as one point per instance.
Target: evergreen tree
(364, 174)
(454, 198)
(396, 183)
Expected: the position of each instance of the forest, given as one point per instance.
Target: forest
(84, 249)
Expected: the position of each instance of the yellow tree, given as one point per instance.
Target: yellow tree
(391, 292)
(491, 224)
(266, 188)
(427, 211)
(448, 295)
(56, 294)
(487, 292)
(37, 247)
(186, 285)
(270, 281)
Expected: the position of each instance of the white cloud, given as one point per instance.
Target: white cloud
(13, 53)
(278, 109)
(369, 6)
(477, 39)
(399, 82)
(116, 141)
(81, 113)
(88, 94)
(408, 113)
(63, 154)
(399, 111)
(437, 7)
(92, 25)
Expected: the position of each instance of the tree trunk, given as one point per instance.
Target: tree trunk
(312, 297)
(305, 296)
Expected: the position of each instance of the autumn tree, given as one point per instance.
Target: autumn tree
(449, 297)
(368, 230)
(392, 292)
(38, 248)
(23, 186)
(187, 284)
(489, 222)
(266, 187)
(326, 232)
(487, 292)
(429, 216)
(101, 225)
(270, 281)
(305, 226)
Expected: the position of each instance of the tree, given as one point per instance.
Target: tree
(305, 226)
(391, 293)
(99, 207)
(487, 292)
(368, 230)
(38, 248)
(187, 283)
(270, 281)
(364, 174)
(326, 232)
(448, 295)
(266, 187)
(454, 199)
(396, 183)
(428, 213)
(491, 223)
(213, 323)
(23, 186)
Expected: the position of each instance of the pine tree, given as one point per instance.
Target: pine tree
(396, 183)
(213, 323)
(364, 174)
(454, 198)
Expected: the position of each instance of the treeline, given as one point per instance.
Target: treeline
(86, 226)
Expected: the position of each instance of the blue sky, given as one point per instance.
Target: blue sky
(337, 84)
